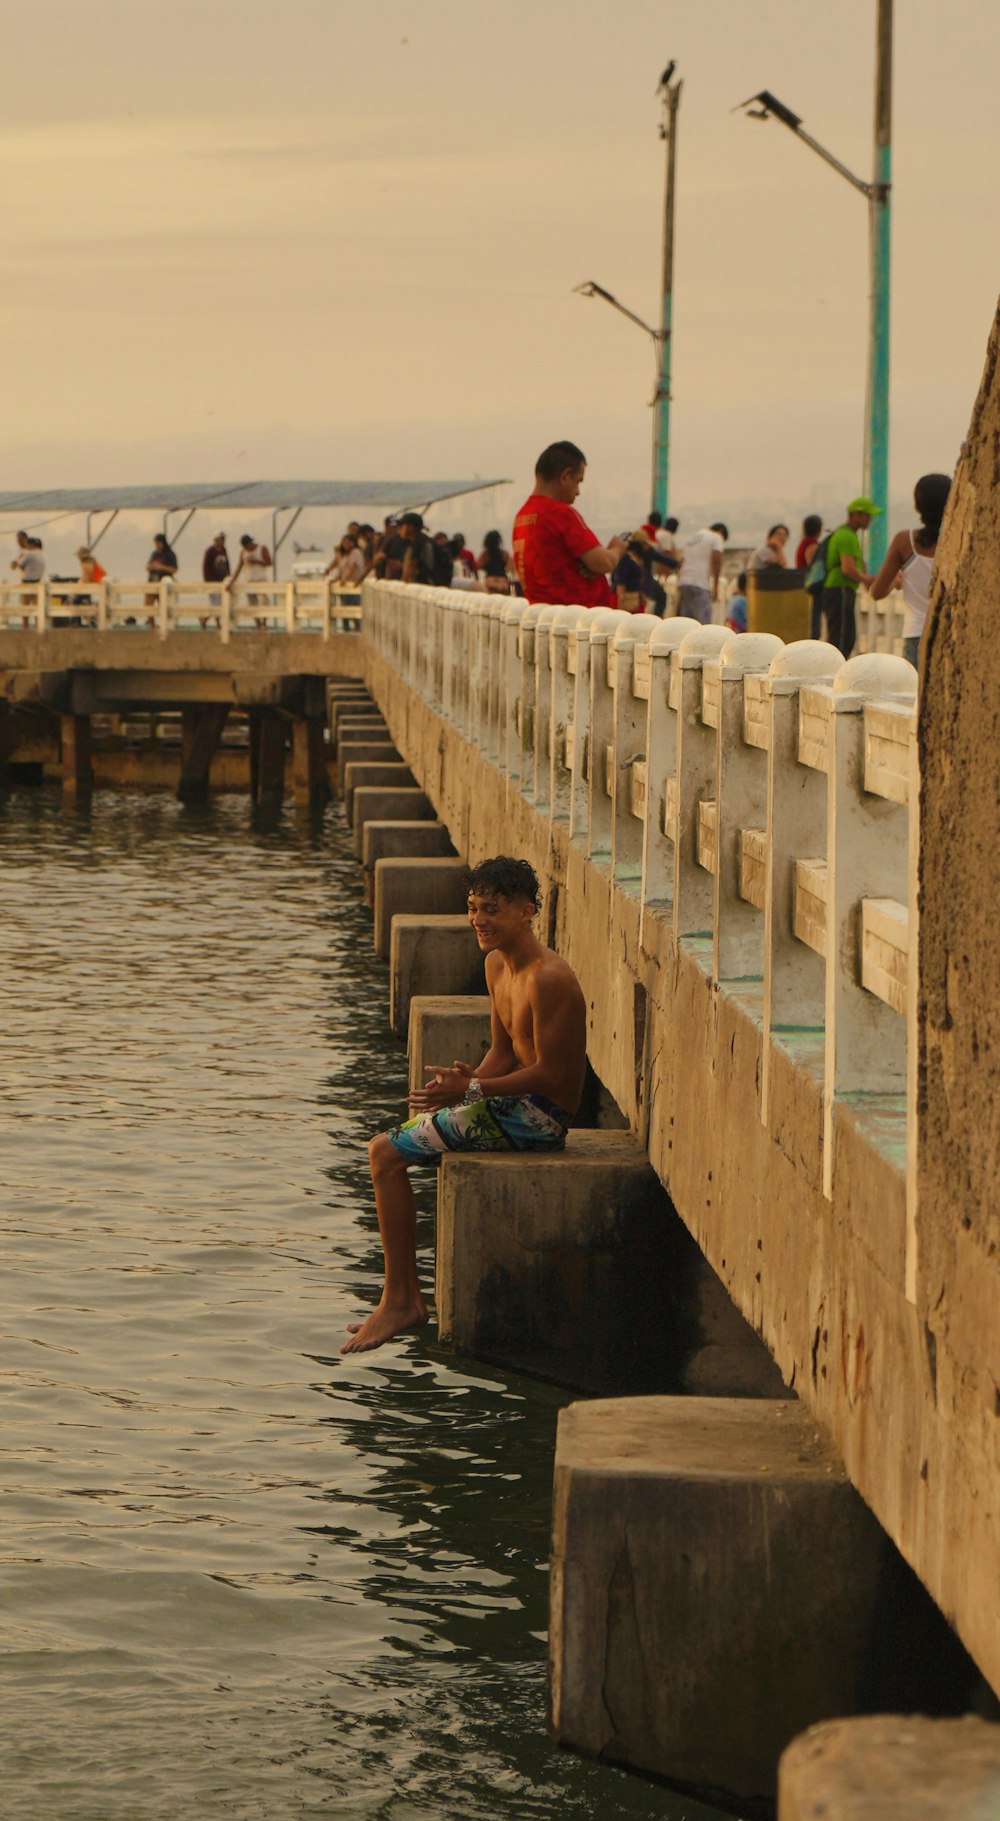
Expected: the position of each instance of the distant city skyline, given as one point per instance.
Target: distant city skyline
(320, 240)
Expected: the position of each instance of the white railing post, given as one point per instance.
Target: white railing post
(661, 762)
(543, 708)
(526, 717)
(866, 858)
(695, 785)
(289, 606)
(41, 606)
(740, 808)
(510, 624)
(603, 624)
(494, 612)
(794, 971)
(578, 733)
(163, 606)
(562, 688)
(629, 744)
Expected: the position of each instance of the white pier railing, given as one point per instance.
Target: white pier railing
(758, 799)
(311, 604)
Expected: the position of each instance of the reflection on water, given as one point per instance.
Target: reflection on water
(240, 1575)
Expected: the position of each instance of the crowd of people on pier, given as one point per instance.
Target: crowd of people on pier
(554, 556)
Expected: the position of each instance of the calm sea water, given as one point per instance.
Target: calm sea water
(241, 1576)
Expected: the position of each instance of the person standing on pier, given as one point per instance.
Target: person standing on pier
(909, 561)
(161, 566)
(846, 573)
(559, 559)
(30, 559)
(255, 559)
(521, 1097)
(701, 568)
(214, 568)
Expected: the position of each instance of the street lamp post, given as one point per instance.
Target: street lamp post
(661, 337)
(766, 106)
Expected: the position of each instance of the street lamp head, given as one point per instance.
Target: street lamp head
(764, 105)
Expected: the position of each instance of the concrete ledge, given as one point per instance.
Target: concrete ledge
(718, 1586)
(401, 840)
(373, 804)
(428, 951)
(377, 750)
(573, 1265)
(892, 1768)
(446, 1027)
(383, 776)
(416, 885)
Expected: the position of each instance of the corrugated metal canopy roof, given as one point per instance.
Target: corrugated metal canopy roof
(247, 496)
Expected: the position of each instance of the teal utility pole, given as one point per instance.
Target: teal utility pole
(880, 220)
(670, 95)
(766, 106)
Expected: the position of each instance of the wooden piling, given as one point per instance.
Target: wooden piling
(77, 772)
(201, 731)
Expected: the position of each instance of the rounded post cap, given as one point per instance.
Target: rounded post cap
(603, 622)
(876, 676)
(532, 614)
(811, 659)
(513, 608)
(748, 651)
(566, 618)
(701, 646)
(638, 630)
(667, 635)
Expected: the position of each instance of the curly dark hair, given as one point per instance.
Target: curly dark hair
(507, 878)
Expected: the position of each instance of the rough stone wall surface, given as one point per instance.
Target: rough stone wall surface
(958, 1123)
(821, 1282)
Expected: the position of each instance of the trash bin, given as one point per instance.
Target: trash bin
(778, 602)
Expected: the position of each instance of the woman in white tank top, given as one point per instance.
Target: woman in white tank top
(909, 561)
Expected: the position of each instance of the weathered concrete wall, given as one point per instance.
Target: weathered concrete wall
(821, 1282)
(958, 1122)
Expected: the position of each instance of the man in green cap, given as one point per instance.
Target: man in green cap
(845, 573)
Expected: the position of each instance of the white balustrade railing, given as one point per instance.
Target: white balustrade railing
(303, 604)
(757, 798)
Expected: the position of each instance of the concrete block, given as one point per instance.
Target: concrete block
(717, 1587)
(411, 885)
(892, 1767)
(364, 752)
(392, 776)
(574, 1266)
(430, 953)
(374, 728)
(375, 804)
(447, 1028)
(401, 840)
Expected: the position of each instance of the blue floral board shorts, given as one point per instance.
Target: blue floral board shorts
(502, 1122)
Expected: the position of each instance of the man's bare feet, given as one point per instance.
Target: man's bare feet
(383, 1323)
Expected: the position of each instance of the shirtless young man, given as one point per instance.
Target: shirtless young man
(520, 1098)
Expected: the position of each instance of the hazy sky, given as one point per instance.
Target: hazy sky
(340, 237)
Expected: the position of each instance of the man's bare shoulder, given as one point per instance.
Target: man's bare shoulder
(551, 973)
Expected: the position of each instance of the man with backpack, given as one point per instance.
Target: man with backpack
(844, 573)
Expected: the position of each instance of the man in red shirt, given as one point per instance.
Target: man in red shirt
(558, 557)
